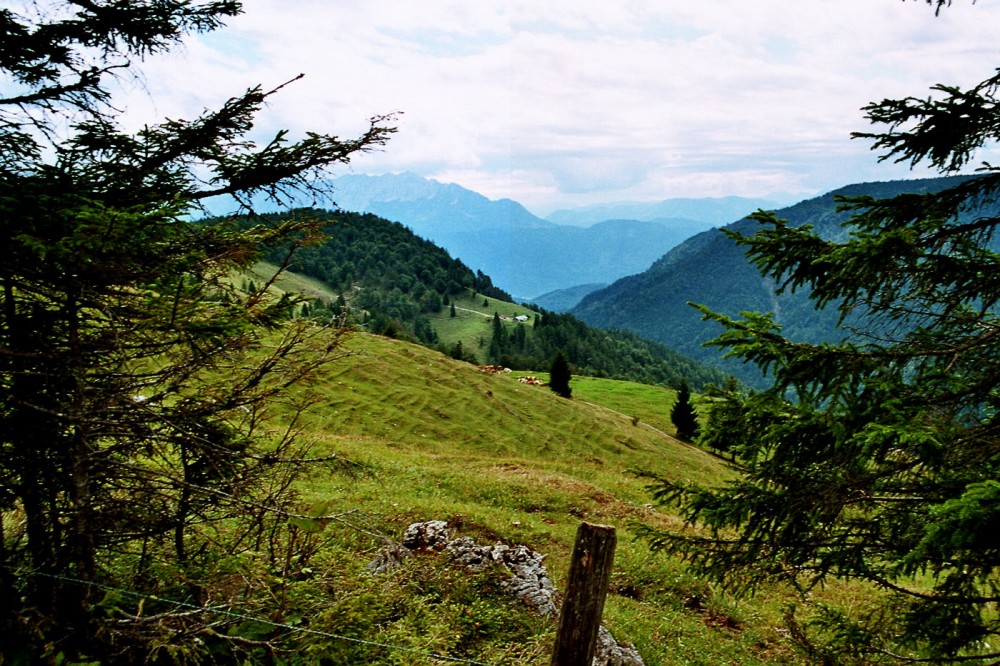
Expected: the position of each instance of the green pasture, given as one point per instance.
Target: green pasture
(429, 438)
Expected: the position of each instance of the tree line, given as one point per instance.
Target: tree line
(595, 352)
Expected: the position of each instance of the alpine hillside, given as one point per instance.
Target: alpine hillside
(711, 270)
(388, 281)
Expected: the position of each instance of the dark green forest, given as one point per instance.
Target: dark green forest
(614, 354)
(395, 278)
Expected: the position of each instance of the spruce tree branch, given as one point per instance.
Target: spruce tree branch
(957, 600)
(51, 94)
(938, 660)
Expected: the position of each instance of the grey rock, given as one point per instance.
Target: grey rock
(528, 581)
(609, 652)
(429, 535)
(389, 558)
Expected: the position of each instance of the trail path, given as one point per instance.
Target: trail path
(473, 311)
(626, 416)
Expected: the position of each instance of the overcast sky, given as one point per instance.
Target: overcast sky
(558, 103)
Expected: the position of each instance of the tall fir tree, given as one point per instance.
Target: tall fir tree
(134, 382)
(877, 458)
(725, 428)
(683, 414)
(498, 340)
(560, 375)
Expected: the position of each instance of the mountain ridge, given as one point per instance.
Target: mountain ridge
(713, 211)
(524, 254)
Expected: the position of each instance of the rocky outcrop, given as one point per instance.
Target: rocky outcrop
(528, 579)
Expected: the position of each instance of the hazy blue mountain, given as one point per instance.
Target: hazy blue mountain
(533, 261)
(712, 270)
(428, 207)
(563, 300)
(696, 214)
(525, 255)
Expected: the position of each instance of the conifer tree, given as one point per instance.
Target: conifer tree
(683, 414)
(877, 458)
(134, 384)
(724, 429)
(560, 375)
(498, 340)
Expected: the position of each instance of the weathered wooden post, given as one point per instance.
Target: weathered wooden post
(589, 575)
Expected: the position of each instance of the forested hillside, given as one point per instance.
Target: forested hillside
(710, 269)
(382, 269)
(394, 283)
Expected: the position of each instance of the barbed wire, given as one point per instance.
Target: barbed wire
(227, 612)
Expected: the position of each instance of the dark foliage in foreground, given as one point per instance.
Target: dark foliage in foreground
(875, 459)
(135, 380)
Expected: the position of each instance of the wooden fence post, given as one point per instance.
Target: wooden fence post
(583, 604)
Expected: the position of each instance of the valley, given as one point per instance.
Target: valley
(529, 256)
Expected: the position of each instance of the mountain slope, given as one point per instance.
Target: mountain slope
(711, 270)
(531, 261)
(504, 462)
(431, 209)
(563, 300)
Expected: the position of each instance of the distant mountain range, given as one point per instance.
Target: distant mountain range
(429, 208)
(526, 255)
(714, 212)
(563, 300)
(710, 269)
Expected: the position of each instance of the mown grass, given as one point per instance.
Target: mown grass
(263, 272)
(645, 404)
(436, 439)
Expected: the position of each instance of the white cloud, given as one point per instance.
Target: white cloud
(567, 102)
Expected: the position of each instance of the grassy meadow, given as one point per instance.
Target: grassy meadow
(472, 324)
(423, 437)
(429, 438)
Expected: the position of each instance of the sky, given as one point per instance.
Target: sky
(564, 103)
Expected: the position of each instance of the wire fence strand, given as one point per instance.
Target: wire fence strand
(228, 612)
